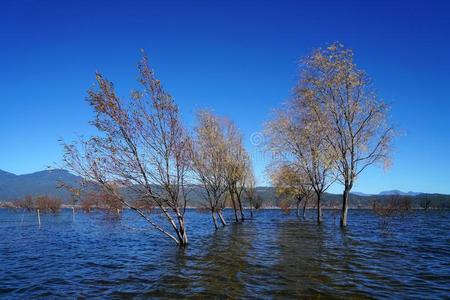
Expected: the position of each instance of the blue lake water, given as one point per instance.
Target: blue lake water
(273, 255)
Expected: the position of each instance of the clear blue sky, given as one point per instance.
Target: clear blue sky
(238, 58)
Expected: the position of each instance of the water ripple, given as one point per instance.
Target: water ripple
(272, 256)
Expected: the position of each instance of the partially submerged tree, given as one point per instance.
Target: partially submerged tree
(425, 203)
(42, 203)
(394, 206)
(254, 200)
(208, 155)
(298, 139)
(141, 145)
(110, 204)
(89, 201)
(26, 203)
(237, 168)
(344, 102)
(293, 185)
(48, 204)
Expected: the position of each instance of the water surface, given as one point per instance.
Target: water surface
(272, 256)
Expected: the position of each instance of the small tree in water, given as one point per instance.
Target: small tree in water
(208, 155)
(395, 206)
(26, 203)
(252, 196)
(141, 146)
(42, 203)
(298, 139)
(48, 204)
(292, 185)
(425, 203)
(237, 168)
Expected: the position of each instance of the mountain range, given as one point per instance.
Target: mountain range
(35, 184)
(48, 182)
(390, 193)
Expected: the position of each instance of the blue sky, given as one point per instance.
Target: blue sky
(238, 58)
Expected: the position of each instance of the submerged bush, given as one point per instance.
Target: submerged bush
(394, 207)
(43, 203)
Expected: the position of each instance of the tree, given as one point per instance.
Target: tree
(425, 203)
(343, 101)
(42, 203)
(298, 139)
(236, 167)
(48, 204)
(141, 145)
(395, 205)
(293, 185)
(254, 200)
(89, 201)
(208, 155)
(26, 203)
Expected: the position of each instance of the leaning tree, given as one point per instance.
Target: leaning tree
(140, 147)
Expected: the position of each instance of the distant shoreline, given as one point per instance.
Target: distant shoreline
(9, 205)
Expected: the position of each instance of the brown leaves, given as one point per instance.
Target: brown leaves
(43, 203)
(141, 143)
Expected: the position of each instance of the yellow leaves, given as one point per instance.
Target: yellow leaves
(332, 47)
(136, 95)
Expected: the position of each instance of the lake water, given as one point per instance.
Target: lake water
(272, 256)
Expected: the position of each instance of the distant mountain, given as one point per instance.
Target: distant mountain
(39, 183)
(399, 193)
(6, 175)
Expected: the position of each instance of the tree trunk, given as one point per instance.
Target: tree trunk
(345, 201)
(219, 212)
(319, 209)
(251, 210)
(214, 219)
(240, 207)
(150, 221)
(183, 239)
(298, 207)
(234, 206)
(304, 208)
